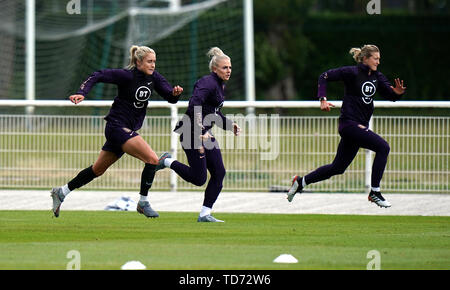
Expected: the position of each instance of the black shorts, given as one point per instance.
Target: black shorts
(116, 136)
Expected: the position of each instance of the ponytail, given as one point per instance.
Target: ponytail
(367, 50)
(215, 54)
(138, 53)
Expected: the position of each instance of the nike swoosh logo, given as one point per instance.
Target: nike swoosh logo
(149, 183)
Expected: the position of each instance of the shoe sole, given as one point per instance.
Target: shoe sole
(208, 221)
(290, 195)
(54, 195)
(56, 212)
(380, 205)
(141, 211)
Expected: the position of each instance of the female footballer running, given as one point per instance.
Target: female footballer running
(200, 146)
(361, 83)
(135, 86)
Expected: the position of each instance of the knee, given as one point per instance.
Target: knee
(146, 156)
(218, 176)
(384, 149)
(98, 171)
(221, 174)
(152, 159)
(339, 170)
(387, 148)
(199, 179)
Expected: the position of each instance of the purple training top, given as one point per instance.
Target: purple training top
(207, 97)
(360, 87)
(134, 91)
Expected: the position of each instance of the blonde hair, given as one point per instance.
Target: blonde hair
(138, 53)
(365, 51)
(216, 55)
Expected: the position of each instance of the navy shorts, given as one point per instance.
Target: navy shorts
(116, 136)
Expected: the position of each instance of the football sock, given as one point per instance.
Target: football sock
(377, 189)
(168, 162)
(84, 177)
(147, 176)
(205, 211)
(65, 189)
(303, 182)
(143, 198)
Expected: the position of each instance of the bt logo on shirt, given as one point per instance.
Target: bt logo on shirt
(142, 95)
(368, 89)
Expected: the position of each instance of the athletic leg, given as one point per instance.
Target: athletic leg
(217, 171)
(103, 162)
(214, 164)
(367, 139)
(372, 141)
(138, 148)
(345, 154)
(195, 172)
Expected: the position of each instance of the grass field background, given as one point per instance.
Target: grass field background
(175, 241)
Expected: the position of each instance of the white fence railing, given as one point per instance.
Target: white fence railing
(41, 151)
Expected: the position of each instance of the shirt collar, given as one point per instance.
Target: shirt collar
(216, 77)
(140, 74)
(365, 68)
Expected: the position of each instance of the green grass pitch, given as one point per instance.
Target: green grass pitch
(175, 241)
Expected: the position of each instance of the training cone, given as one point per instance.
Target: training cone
(133, 265)
(285, 258)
